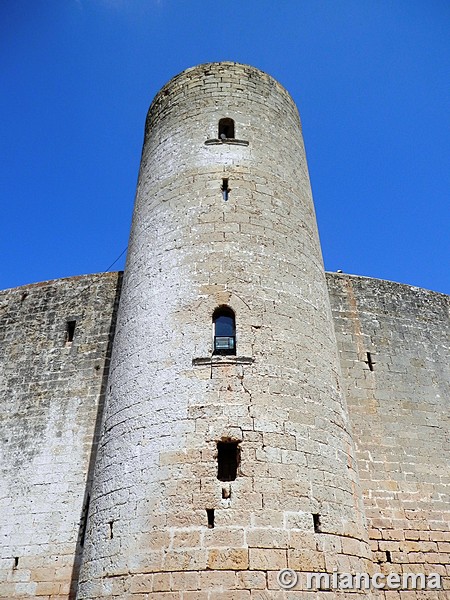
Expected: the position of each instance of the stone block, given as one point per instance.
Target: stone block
(233, 558)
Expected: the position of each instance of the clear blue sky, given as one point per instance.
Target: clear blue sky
(371, 79)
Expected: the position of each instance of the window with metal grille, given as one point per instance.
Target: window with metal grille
(224, 331)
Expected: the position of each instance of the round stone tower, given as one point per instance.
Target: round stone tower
(226, 453)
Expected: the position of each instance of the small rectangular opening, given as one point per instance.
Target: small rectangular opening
(111, 532)
(70, 331)
(16, 562)
(228, 456)
(369, 361)
(388, 556)
(317, 524)
(226, 128)
(225, 189)
(210, 517)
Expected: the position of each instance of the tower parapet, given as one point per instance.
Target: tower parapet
(226, 452)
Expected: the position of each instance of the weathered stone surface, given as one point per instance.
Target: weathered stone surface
(51, 390)
(400, 416)
(312, 415)
(279, 398)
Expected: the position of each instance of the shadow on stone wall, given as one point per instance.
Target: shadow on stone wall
(93, 456)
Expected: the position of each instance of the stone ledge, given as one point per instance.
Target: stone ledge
(217, 361)
(230, 141)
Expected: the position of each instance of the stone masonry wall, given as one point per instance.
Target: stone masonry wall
(162, 525)
(400, 418)
(50, 390)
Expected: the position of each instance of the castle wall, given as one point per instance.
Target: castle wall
(400, 417)
(163, 522)
(50, 390)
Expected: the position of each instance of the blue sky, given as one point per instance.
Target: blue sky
(371, 79)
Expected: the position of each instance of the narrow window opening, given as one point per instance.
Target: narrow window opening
(388, 556)
(16, 562)
(369, 361)
(224, 331)
(228, 457)
(111, 532)
(225, 189)
(84, 521)
(226, 129)
(226, 493)
(210, 517)
(70, 331)
(317, 524)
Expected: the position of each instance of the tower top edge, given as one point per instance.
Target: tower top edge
(218, 68)
(229, 65)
